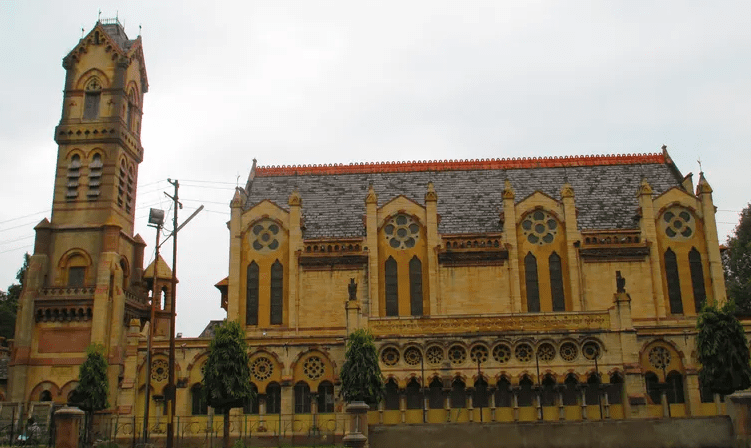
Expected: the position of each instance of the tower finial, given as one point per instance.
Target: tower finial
(701, 171)
(99, 17)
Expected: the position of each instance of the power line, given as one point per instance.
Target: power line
(25, 216)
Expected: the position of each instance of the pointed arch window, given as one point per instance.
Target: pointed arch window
(277, 293)
(556, 282)
(273, 398)
(131, 108)
(251, 295)
(92, 98)
(302, 398)
(199, 406)
(415, 286)
(74, 173)
(130, 193)
(392, 288)
(533, 288)
(697, 279)
(122, 178)
(95, 177)
(674, 282)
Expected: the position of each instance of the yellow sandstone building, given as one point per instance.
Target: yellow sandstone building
(497, 290)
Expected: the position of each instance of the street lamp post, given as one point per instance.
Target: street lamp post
(156, 219)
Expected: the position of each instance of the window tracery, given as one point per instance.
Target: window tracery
(265, 235)
(678, 223)
(402, 232)
(540, 227)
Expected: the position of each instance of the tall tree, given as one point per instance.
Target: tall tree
(92, 390)
(361, 373)
(9, 302)
(226, 374)
(722, 350)
(737, 263)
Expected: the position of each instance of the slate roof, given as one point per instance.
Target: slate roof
(469, 192)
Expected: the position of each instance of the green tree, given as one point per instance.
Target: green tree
(9, 302)
(722, 350)
(226, 374)
(93, 387)
(361, 374)
(737, 263)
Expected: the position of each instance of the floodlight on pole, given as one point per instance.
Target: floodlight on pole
(156, 217)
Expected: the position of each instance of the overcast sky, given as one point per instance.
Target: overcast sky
(342, 81)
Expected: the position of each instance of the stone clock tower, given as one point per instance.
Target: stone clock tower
(84, 282)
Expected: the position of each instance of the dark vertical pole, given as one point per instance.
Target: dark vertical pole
(147, 392)
(479, 376)
(133, 444)
(422, 373)
(171, 385)
(599, 383)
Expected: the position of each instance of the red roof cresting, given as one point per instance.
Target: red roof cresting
(463, 165)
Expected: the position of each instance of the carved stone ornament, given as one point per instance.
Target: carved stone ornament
(508, 191)
(371, 198)
(431, 195)
(645, 188)
(294, 199)
(567, 191)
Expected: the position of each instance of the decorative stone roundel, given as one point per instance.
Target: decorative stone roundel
(265, 235)
(261, 368)
(569, 351)
(546, 352)
(523, 352)
(390, 356)
(540, 227)
(434, 355)
(479, 353)
(659, 357)
(402, 232)
(501, 353)
(412, 356)
(313, 367)
(159, 370)
(678, 223)
(591, 350)
(457, 354)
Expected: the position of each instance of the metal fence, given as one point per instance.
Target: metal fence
(207, 431)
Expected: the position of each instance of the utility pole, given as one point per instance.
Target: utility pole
(156, 219)
(171, 387)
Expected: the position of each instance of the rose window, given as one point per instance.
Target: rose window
(434, 355)
(540, 227)
(390, 356)
(402, 232)
(501, 353)
(523, 352)
(591, 350)
(659, 357)
(412, 356)
(457, 354)
(261, 368)
(159, 370)
(265, 235)
(678, 223)
(313, 367)
(569, 351)
(546, 352)
(478, 353)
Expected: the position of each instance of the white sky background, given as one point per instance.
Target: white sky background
(341, 81)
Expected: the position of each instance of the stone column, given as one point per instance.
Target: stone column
(583, 396)
(572, 237)
(491, 403)
(515, 392)
(433, 243)
(692, 393)
(649, 234)
(403, 405)
(704, 191)
(371, 304)
(357, 436)
(262, 413)
(234, 307)
(295, 248)
(67, 423)
(509, 236)
(470, 404)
